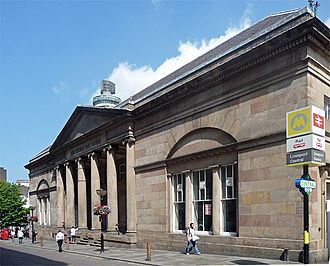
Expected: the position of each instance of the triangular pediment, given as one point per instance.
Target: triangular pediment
(84, 120)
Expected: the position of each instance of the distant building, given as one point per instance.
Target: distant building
(3, 174)
(23, 186)
(205, 144)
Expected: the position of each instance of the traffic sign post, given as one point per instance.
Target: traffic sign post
(305, 145)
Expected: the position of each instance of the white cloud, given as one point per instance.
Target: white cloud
(130, 79)
(327, 22)
(59, 88)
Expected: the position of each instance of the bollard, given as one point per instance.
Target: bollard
(67, 243)
(286, 254)
(41, 241)
(148, 252)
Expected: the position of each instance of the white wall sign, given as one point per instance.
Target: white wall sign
(310, 141)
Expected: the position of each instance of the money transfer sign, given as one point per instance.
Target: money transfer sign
(306, 120)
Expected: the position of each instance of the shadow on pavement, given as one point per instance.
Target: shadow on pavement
(12, 257)
(248, 262)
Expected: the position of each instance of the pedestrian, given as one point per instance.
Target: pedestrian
(34, 235)
(59, 240)
(20, 236)
(192, 240)
(12, 234)
(73, 234)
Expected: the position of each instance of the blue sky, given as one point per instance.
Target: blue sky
(54, 55)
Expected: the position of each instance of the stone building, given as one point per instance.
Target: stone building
(205, 144)
(3, 174)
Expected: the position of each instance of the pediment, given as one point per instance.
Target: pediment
(84, 120)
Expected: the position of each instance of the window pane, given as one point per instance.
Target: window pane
(180, 216)
(196, 185)
(202, 193)
(209, 184)
(202, 177)
(208, 216)
(180, 198)
(223, 182)
(175, 186)
(229, 192)
(327, 107)
(229, 170)
(229, 215)
(198, 209)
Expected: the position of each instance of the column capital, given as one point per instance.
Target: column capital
(67, 164)
(92, 155)
(57, 167)
(108, 148)
(186, 171)
(130, 137)
(80, 159)
(169, 175)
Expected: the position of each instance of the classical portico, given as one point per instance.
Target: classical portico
(110, 167)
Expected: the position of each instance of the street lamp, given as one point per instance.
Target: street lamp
(32, 208)
(101, 192)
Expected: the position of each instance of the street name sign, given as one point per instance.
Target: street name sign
(309, 156)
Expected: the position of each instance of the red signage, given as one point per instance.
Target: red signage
(318, 121)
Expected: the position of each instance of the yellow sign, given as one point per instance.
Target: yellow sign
(298, 122)
(306, 237)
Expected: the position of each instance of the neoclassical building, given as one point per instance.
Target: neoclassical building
(206, 144)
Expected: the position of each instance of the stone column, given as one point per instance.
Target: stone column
(171, 202)
(60, 198)
(130, 183)
(44, 210)
(95, 184)
(216, 200)
(82, 192)
(189, 197)
(112, 189)
(69, 212)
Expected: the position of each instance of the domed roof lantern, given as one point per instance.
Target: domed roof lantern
(107, 97)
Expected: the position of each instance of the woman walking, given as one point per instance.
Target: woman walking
(192, 240)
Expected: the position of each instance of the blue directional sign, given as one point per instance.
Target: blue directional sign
(305, 184)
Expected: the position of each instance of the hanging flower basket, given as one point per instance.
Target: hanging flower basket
(102, 210)
(32, 219)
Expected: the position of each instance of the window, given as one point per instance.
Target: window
(122, 172)
(327, 107)
(179, 201)
(202, 199)
(228, 198)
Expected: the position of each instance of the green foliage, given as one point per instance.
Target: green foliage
(12, 211)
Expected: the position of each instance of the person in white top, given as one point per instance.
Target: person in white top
(20, 236)
(73, 234)
(59, 240)
(192, 240)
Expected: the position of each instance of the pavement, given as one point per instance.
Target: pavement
(158, 257)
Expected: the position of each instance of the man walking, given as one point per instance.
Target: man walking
(20, 236)
(59, 240)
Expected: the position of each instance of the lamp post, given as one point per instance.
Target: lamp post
(32, 208)
(101, 192)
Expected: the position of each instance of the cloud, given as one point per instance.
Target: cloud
(130, 79)
(157, 4)
(59, 88)
(327, 22)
